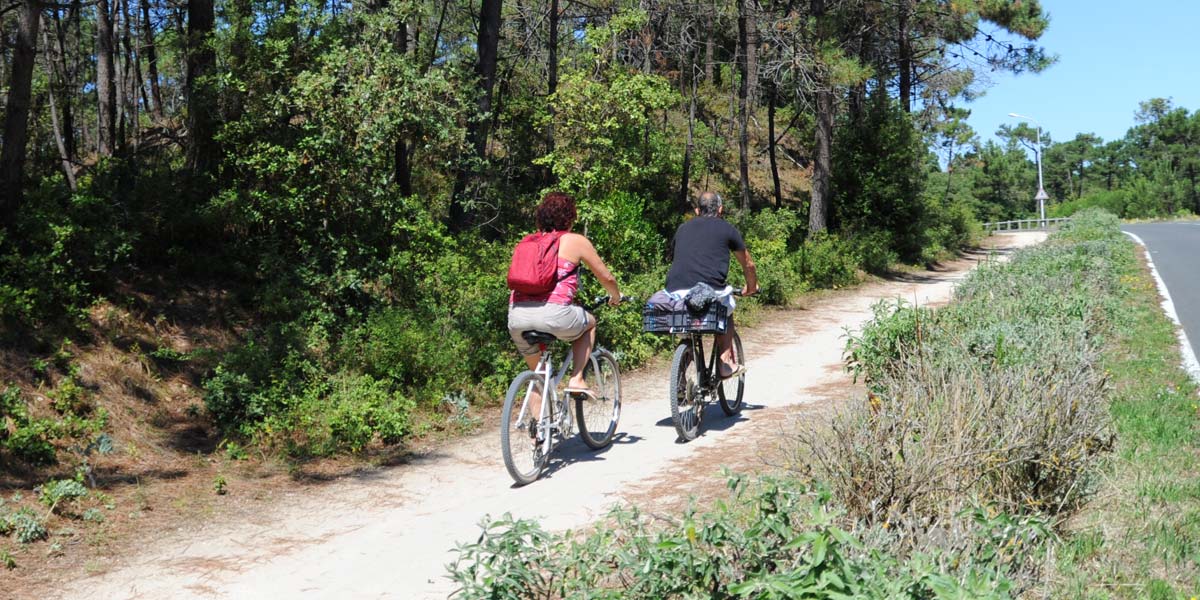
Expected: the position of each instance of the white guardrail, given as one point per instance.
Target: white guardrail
(1025, 224)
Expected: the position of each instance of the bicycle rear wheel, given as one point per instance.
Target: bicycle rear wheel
(732, 404)
(598, 416)
(519, 444)
(687, 407)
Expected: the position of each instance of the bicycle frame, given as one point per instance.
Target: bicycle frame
(708, 378)
(550, 397)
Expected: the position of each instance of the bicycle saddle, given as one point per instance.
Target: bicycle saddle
(538, 337)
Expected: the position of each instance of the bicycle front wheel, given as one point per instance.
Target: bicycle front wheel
(732, 404)
(598, 416)
(519, 435)
(687, 407)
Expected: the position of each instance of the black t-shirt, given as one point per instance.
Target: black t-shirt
(701, 253)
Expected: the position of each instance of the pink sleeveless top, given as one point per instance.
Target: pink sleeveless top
(564, 290)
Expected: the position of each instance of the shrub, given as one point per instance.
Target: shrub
(997, 398)
(873, 251)
(57, 491)
(773, 538)
(827, 261)
(31, 440)
(771, 236)
(27, 526)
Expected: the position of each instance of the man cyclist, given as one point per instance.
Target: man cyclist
(700, 254)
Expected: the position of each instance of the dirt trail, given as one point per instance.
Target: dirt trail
(388, 533)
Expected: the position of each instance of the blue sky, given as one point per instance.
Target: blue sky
(1111, 55)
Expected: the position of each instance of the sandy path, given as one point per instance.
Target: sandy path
(388, 533)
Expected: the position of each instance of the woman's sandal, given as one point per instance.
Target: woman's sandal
(582, 392)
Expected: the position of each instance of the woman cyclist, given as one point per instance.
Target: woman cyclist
(555, 312)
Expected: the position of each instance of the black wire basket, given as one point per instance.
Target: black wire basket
(713, 320)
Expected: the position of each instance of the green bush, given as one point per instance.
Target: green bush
(27, 526)
(771, 236)
(773, 538)
(624, 237)
(874, 252)
(57, 491)
(31, 440)
(997, 398)
(893, 332)
(346, 414)
(827, 261)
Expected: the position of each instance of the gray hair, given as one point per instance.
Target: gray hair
(709, 204)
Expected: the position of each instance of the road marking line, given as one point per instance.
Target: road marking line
(1190, 364)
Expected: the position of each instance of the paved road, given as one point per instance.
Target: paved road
(1175, 249)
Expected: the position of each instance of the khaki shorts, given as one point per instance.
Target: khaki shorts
(567, 323)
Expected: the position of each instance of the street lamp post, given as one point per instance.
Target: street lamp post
(1041, 196)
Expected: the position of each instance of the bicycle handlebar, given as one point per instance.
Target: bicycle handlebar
(602, 300)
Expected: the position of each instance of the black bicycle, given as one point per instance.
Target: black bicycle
(695, 381)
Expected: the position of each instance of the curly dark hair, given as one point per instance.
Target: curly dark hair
(556, 212)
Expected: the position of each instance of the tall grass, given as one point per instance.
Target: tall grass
(998, 399)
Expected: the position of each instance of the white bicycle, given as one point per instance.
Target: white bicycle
(526, 441)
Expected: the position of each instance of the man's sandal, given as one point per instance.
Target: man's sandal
(738, 372)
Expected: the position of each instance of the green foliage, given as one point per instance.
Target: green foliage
(66, 241)
(874, 251)
(31, 439)
(772, 237)
(879, 176)
(827, 261)
(27, 526)
(893, 332)
(619, 228)
(57, 491)
(774, 538)
(1151, 172)
(1018, 384)
(606, 139)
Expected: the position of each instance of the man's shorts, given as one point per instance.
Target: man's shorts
(566, 322)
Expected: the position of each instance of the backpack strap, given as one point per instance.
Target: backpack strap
(558, 240)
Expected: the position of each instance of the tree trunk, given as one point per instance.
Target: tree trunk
(105, 80)
(68, 169)
(66, 80)
(818, 208)
(403, 166)
(709, 46)
(151, 62)
(751, 51)
(905, 56)
(552, 70)
(201, 96)
(818, 217)
(488, 44)
(121, 40)
(16, 113)
(688, 150)
(743, 106)
(771, 147)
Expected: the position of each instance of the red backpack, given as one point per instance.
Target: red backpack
(534, 266)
